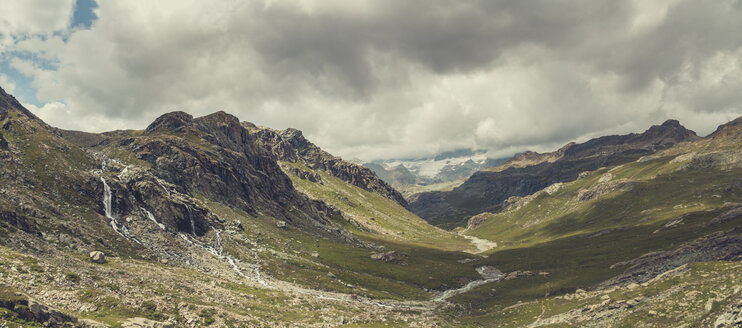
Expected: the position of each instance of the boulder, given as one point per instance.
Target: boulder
(98, 257)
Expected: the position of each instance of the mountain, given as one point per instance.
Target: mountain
(649, 236)
(488, 189)
(213, 222)
(441, 172)
(217, 216)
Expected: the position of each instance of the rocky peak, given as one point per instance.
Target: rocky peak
(173, 121)
(296, 139)
(9, 103)
(670, 132)
(657, 136)
(224, 130)
(219, 118)
(290, 145)
(672, 123)
(730, 128)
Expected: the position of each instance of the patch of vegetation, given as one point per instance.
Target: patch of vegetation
(386, 218)
(149, 308)
(72, 277)
(208, 316)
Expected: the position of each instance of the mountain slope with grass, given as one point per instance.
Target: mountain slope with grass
(488, 189)
(209, 200)
(631, 235)
(212, 222)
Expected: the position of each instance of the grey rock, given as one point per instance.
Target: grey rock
(98, 257)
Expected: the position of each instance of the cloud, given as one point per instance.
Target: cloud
(29, 17)
(382, 79)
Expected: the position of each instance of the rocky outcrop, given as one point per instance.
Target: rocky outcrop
(17, 220)
(648, 266)
(290, 145)
(477, 220)
(97, 257)
(604, 188)
(529, 158)
(486, 190)
(214, 155)
(304, 174)
(727, 216)
(728, 130)
(9, 103)
(32, 311)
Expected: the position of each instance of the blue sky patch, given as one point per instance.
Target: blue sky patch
(83, 17)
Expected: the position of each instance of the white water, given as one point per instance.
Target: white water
(490, 274)
(123, 172)
(106, 198)
(220, 255)
(190, 217)
(162, 185)
(152, 218)
(108, 208)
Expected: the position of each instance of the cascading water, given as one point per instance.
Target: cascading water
(123, 172)
(106, 198)
(489, 274)
(190, 217)
(152, 218)
(107, 195)
(108, 209)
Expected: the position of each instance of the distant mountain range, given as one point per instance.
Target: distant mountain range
(528, 172)
(442, 171)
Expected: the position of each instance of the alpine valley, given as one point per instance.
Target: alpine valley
(209, 221)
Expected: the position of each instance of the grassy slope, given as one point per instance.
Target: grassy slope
(551, 232)
(286, 255)
(694, 295)
(159, 292)
(385, 218)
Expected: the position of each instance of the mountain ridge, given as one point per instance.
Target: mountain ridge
(486, 190)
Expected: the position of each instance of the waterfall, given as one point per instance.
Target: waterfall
(219, 241)
(106, 198)
(190, 217)
(108, 208)
(219, 254)
(152, 218)
(123, 172)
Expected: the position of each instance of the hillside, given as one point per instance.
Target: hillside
(206, 199)
(213, 222)
(632, 232)
(486, 190)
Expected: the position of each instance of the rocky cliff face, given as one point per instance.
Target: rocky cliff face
(486, 190)
(290, 145)
(124, 186)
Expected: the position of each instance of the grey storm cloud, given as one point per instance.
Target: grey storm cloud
(382, 79)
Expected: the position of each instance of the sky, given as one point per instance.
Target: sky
(386, 78)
